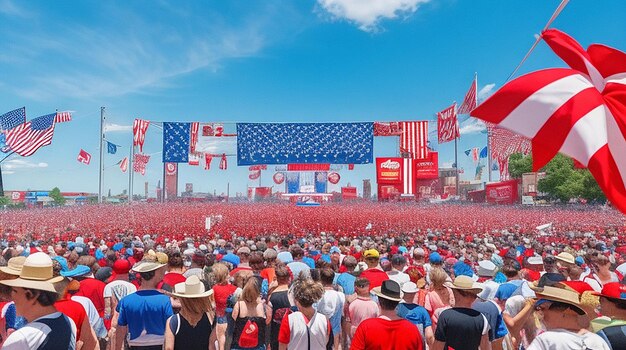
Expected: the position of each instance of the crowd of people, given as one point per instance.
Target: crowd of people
(273, 276)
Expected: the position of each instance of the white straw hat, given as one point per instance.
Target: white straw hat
(191, 288)
(36, 274)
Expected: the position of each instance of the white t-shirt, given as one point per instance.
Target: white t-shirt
(561, 339)
(399, 277)
(121, 289)
(94, 318)
(34, 334)
(332, 302)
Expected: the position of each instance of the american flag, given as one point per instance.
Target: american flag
(27, 138)
(469, 102)
(12, 119)
(63, 117)
(140, 127)
(578, 111)
(414, 139)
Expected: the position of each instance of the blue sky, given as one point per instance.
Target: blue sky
(261, 61)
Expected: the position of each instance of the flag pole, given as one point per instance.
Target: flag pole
(101, 172)
(130, 172)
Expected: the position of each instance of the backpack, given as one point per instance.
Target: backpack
(249, 337)
(279, 314)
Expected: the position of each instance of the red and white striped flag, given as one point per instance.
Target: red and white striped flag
(223, 162)
(63, 117)
(469, 102)
(140, 127)
(414, 139)
(124, 164)
(193, 137)
(578, 111)
(447, 124)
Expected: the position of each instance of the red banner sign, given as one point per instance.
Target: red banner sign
(447, 124)
(502, 192)
(389, 170)
(427, 168)
(348, 192)
(308, 167)
(171, 180)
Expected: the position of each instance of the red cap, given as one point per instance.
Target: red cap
(121, 266)
(579, 286)
(613, 290)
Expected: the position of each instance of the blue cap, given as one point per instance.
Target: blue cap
(129, 251)
(63, 262)
(118, 246)
(403, 249)
(231, 258)
(579, 261)
(463, 269)
(435, 258)
(335, 249)
(80, 270)
(284, 257)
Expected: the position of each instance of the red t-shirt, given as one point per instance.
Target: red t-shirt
(221, 292)
(172, 279)
(94, 290)
(375, 276)
(381, 334)
(73, 310)
(269, 274)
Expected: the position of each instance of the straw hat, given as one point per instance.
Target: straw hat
(465, 283)
(14, 266)
(560, 295)
(36, 274)
(146, 266)
(191, 288)
(566, 257)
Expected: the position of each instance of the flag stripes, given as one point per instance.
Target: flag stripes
(27, 138)
(579, 112)
(469, 102)
(407, 179)
(414, 139)
(140, 127)
(63, 117)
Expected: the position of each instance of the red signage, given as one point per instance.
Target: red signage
(504, 192)
(348, 192)
(389, 170)
(427, 168)
(171, 180)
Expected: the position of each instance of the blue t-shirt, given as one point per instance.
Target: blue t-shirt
(144, 310)
(309, 261)
(415, 314)
(494, 316)
(346, 281)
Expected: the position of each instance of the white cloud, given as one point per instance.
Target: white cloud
(447, 164)
(112, 127)
(368, 13)
(19, 164)
(486, 91)
(471, 126)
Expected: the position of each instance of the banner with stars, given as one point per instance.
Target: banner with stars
(337, 143)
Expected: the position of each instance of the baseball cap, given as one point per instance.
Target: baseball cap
(121, 266)
(371, 253)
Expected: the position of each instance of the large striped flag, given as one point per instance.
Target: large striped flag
(414, 139)
(140, 127)
(469, 102)
(193, 137)
(447, 124)
(25, 139)
(63, 117)
(578, 111)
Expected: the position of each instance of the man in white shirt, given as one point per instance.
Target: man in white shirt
(398, 262)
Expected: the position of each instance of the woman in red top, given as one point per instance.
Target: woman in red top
(221, 291)
(76, 311)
